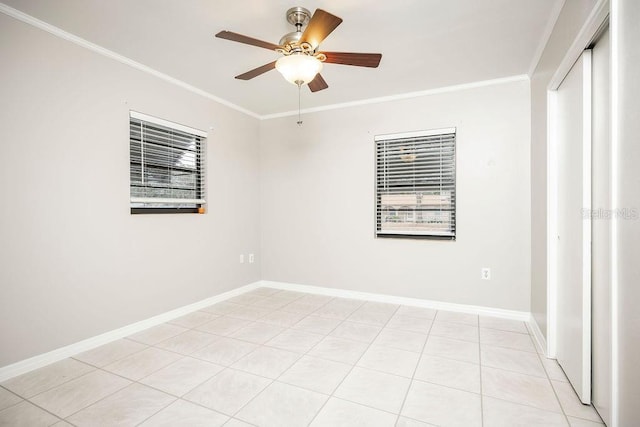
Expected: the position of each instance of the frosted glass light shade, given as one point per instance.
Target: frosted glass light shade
(298, 68)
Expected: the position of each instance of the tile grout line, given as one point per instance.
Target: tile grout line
(60, 385)
(346, 319)
(546, 376)
(176, 398)
(492, 397)
(65, 418)
(58, 419)
(22, 399)
(165, 406)
(517, 372)
(553, 389)
(424, 345)
(226, 368)
(120, 389)
(148, 346)
(50, 388)
(272, 379)
(356, 362)
(184, 356)
(341, 321)
(404, 377)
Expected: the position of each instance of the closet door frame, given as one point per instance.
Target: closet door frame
(597, 21)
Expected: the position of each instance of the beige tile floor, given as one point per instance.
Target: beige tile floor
(281, 358)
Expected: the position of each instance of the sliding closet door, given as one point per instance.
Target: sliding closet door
(601, 228)
(573, 114)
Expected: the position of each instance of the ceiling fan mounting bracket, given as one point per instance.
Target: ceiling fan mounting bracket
(298, 16)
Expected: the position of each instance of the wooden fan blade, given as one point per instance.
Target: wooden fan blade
(235, 37)
(257, 71)
(320, 26)
(317, 84)
(371, 60)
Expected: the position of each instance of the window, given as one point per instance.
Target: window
(416, 184)
(167, 166)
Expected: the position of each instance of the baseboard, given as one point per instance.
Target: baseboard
(45, 359)
(415, 302)
(538, 336)
(24, 366)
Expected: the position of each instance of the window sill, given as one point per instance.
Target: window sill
(136, 211)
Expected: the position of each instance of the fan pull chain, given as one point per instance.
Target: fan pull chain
(299, 91)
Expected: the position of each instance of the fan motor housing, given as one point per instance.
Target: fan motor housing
(291, 38)
(298, 16)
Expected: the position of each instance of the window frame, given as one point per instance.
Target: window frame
(200, 171)
(378, 192)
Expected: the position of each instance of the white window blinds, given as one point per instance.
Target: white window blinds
(416, 184)
(166, 165)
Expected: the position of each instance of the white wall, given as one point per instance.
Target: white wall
(317, 200)
(626, 33)
(74, 262)
(572, 17)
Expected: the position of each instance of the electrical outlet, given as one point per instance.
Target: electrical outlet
(486, 273)
(241, 258)
(252, 258)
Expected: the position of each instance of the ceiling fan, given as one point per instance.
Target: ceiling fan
(301, 62)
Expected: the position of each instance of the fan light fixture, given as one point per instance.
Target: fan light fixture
(299, 68)
(302, 62)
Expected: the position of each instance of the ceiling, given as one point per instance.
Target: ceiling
(425, 44)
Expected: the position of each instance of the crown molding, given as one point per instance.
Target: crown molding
(401, 96)
(58, 32)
